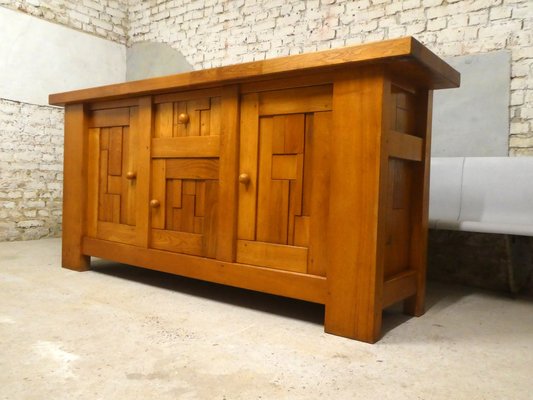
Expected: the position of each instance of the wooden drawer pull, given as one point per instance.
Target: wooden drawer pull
(155, 203)
(244, 179)
(131, 175)
(183, 118)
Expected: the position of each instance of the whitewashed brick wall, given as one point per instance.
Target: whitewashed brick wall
(220, 32)
(31, 170)
(31, 136)
(211, 33)
(104, 18)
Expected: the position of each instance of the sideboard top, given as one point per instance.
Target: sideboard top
(405, 56)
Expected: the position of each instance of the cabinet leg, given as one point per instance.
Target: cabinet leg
(72, 258)
(74, 188)
(414, 305)
(358, 318)
(358, 325)
(355, 235)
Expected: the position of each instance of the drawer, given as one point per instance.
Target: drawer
(188, 114)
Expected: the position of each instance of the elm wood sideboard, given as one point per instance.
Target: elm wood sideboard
(303, 176)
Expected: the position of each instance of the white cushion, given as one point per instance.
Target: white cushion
(495, 194)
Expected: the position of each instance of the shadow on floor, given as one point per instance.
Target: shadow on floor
(439, 296)
(291, 308)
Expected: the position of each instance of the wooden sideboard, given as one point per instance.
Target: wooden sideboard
(303, 176)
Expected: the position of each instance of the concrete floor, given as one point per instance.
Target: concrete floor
(124, 333)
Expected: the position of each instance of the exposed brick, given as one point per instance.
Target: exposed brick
(212, 33)
(448, 27)
(24, 182)
(80, 14)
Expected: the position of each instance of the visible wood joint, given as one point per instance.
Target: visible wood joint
(404, 146)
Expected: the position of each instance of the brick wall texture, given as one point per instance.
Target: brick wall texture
(31, 170)
(104, 18)
(212, 33)
(219, 32)
(31, 136)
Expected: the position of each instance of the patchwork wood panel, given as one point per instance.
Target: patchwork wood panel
(187, 202)
(185, 172)
(112, 155)
(187, 190)
(285, 192)
(403, 111)
(280, 177)
(203, 118)
(287, 159)
(116, 194)
(405, 152)
(398, 226)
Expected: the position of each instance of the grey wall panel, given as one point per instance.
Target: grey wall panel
(38, 58)
(149, 59)
(473, 120)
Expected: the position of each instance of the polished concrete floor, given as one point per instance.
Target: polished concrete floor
(119, 332)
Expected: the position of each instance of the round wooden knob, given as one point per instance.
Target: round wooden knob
(131, 175)
(154, 203)
(183, 118)
(244, 179)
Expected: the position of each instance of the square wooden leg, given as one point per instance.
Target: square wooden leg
(74, 188)
(414, 305)
(75, 262)
(354, 321)
(355, 238)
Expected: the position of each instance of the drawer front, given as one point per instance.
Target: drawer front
(187, 114)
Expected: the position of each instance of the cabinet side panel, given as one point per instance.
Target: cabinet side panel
(404, 111)
(420, 210)
(399, 221)
(406, 205)
(75, 187)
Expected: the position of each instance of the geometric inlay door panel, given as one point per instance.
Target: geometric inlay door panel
(283, 204)
(185, 172)
(112, 175)
(116, 200)
(185, 205)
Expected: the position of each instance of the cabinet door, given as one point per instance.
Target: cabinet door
(112, 174)
(185, 172)
(284, 166)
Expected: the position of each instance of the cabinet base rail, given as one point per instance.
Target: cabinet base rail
(306, 287)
